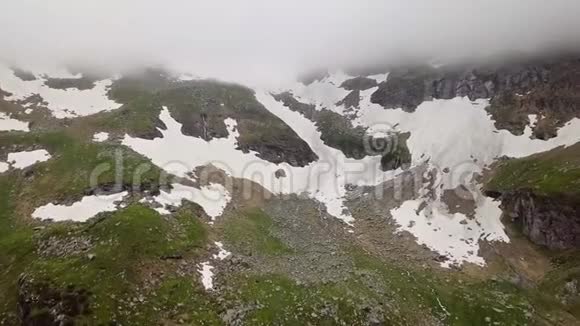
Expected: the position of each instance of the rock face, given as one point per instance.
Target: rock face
(23, 74)
(555, 101)
(359, 84)
(545, 87)
(201, 106)
(66, 83)
(352, 100)
(407, 88)
(338, 132)
(550, 222)
(41, 304)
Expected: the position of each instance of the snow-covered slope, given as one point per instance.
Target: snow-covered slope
(10, 124)
(21, 160)
(458, 139)
(324, 180)
(87, 207)
(455, 139)
(63, 103)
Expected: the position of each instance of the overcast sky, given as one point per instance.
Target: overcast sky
(270, 40)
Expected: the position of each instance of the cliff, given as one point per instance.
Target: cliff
(540, 195)
(547, 221)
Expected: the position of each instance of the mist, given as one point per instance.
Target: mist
(263, 41)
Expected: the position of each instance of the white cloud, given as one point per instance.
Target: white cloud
(269, 40)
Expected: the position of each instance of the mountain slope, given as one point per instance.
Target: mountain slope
(348, 200)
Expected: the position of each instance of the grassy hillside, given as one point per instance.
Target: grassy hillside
(551, 173)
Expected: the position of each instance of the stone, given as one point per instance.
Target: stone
(550, 222)
(280, 173)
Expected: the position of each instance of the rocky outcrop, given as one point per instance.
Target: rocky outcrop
(352, 100)
(39, 303)
(83, 83)
(23, 74)
(396, 154)
(359, 84)
(548, 88)
(338, 132)
(547, 221)
(202, 106)
(407, 88)
(555, 101)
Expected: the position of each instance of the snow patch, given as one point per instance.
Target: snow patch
(64, 103)
(9, 124)
(454, 235)
(212, 198)
(205, 270)
(324, 93)
(100, 137)
(81, 211)
(21, 160)
(460, 136)
(4, 167)
(456, 135)
(188, 77)
(324, 180)
(222, 253)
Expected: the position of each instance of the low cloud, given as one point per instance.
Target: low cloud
(269, 41)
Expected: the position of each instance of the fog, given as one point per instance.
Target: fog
(268, 41)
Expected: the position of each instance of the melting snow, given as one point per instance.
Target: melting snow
(212, 198)
(9, 124)
(63, 103)
(205, 269)
(454, 235)
(324, 180)
(456, 134)
(459, 135)
(4, 167)
(80, 211)
(222, 254)
(21, 160)
(325, 93)
(100, 137)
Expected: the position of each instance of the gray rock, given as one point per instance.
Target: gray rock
(550, 222)
(280, 173)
